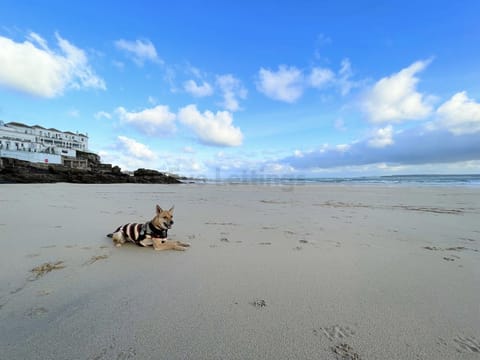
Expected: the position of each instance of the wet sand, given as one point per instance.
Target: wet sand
(274, 272)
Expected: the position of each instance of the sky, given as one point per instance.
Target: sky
(251, 88)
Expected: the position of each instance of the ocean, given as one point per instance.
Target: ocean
(406, 180)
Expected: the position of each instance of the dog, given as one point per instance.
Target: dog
(152, 233)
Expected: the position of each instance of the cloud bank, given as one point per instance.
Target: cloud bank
(410, 147)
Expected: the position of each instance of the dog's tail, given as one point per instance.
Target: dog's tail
(110, 235)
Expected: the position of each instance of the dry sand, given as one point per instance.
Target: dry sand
(274, 272)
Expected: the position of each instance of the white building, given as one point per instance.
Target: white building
(38, 144)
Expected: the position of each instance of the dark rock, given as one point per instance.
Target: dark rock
(19, 171)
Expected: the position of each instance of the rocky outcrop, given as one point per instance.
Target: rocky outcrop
(18, 171)
(154, 177)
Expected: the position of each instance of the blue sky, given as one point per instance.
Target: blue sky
(215, 88)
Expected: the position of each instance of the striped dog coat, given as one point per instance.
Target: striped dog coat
(135, 232)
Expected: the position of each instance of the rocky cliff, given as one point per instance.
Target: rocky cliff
(18, 171)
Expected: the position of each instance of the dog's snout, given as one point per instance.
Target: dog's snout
(171, 222)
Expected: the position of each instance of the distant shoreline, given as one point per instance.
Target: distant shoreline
(470, 180)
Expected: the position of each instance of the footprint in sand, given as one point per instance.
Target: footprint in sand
(345, 352)
(94, 259)
(43, 292)
(259, 303)
(41, 270)
(451, 258)
(36, 312)
(130, 353)
(336, 332)
(109, 353)
(18, 289)
(48, 246)
(467, 344)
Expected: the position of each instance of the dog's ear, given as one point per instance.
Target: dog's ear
(159, 209)
(171, 209)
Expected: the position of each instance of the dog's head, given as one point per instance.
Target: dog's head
(163, 218)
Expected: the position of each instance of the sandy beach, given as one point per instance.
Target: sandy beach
(274, 272)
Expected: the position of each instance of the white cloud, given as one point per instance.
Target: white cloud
(212, 129)
(395, 98)
(382, 137)
(102, 115)
(320, 77)
(32, 67)
(289, 83)
(232, 90)
(182, 164)
(35, 38)
(298, 153)
(154, 121)
(344, 75)
(139, 50)
(196, 72)
(286, 84)
(133, 148)
(343, 147)
(460, 115)
(122, 158)
(131, 155)
(205, 89)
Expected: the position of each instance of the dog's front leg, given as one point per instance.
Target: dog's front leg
(163, 244)
(147, 241)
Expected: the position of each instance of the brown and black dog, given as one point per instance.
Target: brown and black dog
(152, 233)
